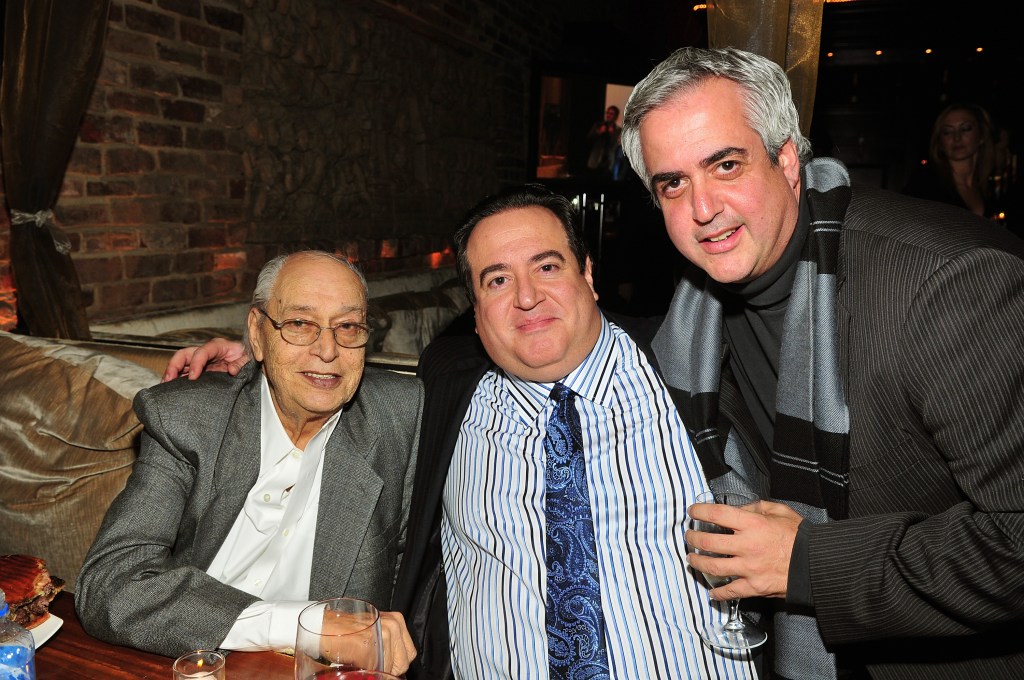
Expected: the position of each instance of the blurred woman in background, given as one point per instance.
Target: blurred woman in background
(961, 161)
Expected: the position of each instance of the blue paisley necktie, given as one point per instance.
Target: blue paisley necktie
(575, 624)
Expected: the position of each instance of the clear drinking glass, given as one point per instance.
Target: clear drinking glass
(201, 664)
(735, 633)
(337, 635)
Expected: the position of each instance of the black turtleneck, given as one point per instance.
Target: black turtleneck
(753, 315)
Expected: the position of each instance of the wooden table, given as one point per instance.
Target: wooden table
(72, 654)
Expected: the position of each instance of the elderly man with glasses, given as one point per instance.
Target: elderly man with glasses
(254, 495)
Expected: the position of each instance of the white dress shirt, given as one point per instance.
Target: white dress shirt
(642, 473)
(269, 550)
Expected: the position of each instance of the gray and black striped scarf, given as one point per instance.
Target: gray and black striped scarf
(808, 462)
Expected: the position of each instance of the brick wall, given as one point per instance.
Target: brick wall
(222, 132)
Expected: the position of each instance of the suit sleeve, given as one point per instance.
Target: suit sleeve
(137, 587)
(958, 571)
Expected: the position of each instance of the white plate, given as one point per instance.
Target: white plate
(45, 630)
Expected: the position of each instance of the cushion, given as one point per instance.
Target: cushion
(68, 438)
(415, 318)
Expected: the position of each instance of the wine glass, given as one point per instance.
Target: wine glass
(338, 635)
(735, 633)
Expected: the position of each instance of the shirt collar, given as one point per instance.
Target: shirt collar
(590, 380)
(275, 442)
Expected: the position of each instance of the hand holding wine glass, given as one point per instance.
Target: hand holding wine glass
(735, 633)
(336, 635)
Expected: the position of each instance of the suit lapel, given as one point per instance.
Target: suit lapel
(236, 471)
(349, 491)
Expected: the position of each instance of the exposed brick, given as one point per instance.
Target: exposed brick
(229, 69)
(181, 161)
(231, 260)
(110, 129)
(124, 299)
(224, 163)
(236, 188)
(81, 213)
(133, 102)
(142, 266)
(174, 290)
(202, 189)
(163, 237)
(145, 21)
(125, 42)
(129, 161)
(173, 54)
(162, 185)
(180, 212)
(210, 140)
(94, 241)
(72, 188)
(86, 160)
(135, 211)
(199, 35)
(176, 109)
(224, 18)
(224, 212)
(186, 8)
(193, 262)
(148, 78)
(99, 269)
(218, 285)
(112, 72)
(122, 187)
(207, 237)
(153, 134)
(200, 88)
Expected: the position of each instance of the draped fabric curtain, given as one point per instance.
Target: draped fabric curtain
(52, 50)
(786, 31)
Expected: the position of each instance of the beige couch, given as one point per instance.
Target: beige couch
(68, 435)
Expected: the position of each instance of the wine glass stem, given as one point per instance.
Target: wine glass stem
(734, 623)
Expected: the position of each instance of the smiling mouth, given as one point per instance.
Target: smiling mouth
(722, 236)
(320, 376)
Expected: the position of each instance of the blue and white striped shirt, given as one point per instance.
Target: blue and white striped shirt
(642, 474)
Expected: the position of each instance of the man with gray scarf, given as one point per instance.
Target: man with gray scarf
(854, 355)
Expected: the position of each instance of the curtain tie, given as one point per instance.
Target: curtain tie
(44, 220)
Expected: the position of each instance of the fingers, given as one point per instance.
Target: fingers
(758, 551)
(399, 651)
(179, 364)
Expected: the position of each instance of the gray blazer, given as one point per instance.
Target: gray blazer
(143, 583)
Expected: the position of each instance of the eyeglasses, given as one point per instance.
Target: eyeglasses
(302, 333)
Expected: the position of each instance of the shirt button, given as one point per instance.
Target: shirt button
(287, 532)
(258, 582)
(266, 498)
(296, 453)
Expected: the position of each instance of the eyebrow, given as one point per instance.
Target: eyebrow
(704, 163)
(300, 309)
(501, 266)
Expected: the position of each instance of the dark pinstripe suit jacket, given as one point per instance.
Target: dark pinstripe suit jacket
(144, 582)
(925, 579)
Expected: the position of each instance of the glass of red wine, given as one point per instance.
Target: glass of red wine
(338, 636)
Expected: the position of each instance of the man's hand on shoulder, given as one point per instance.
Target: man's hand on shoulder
(218, 354)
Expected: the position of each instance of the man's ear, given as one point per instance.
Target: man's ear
(789, 161)
(255, 338)
(588, 274)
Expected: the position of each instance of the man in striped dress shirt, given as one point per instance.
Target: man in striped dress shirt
(474, 567)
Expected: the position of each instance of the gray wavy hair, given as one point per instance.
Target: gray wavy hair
(268, 277)
(768, 98)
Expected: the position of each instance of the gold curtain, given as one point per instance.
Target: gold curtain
(786, 31)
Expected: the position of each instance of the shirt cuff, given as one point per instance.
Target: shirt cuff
(798, 588)
(266, 625)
